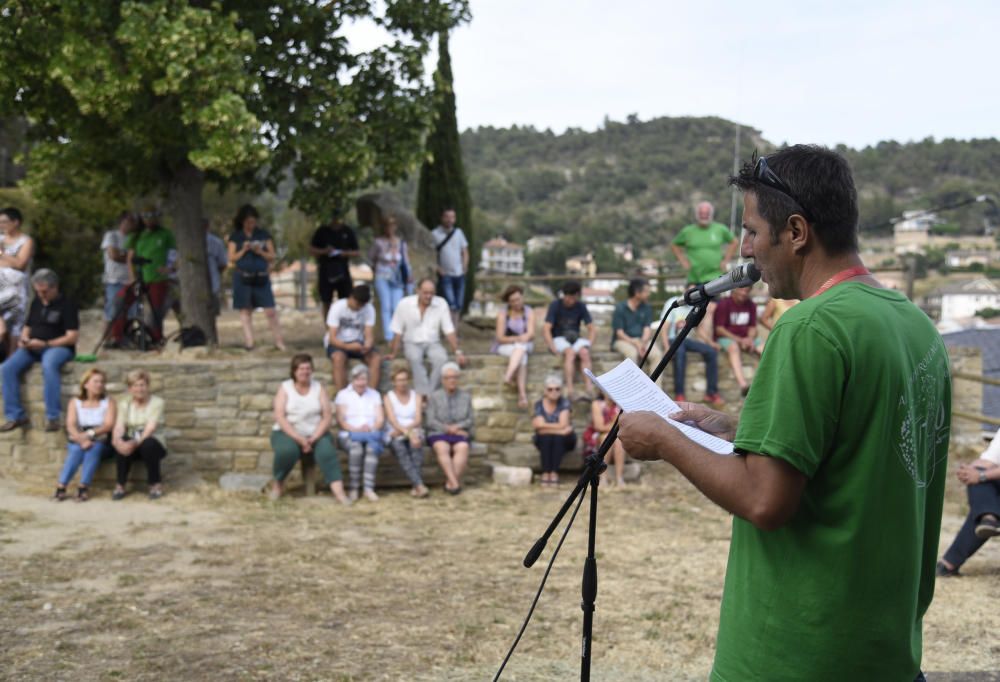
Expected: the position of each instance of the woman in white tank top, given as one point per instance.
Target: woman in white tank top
(16, 252)
(302, 417)
(89, 420)
(404, 435)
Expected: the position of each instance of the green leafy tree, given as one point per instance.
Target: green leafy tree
(166, 95)
(442, 176)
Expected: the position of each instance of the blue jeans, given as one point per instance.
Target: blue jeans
(984, 498)
(111, 300)
(453, 287)
(389, 295)
(52, 360)
(711, 357)
(75, 455)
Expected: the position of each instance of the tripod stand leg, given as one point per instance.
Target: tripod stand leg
(589, 584)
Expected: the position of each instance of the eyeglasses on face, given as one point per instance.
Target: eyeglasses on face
(763, 174)
(553, 388)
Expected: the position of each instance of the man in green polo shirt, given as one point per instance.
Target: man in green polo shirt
(841, 448)
(699, 246)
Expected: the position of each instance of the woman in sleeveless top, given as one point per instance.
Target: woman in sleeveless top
(393, 274)
(302, 416)
(553, 426)
(90, 418)
(514, 332)
(602, 416)
(16, 252)
(404, 435)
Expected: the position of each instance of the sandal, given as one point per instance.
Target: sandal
(60, 494)
(82, 493)
(118, 494)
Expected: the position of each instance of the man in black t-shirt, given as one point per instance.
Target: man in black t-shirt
(562, 335)
(333, 246)
(49, 336)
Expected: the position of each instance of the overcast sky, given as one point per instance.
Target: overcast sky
(852, 72)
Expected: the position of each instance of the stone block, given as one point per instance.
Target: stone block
(191, 434)
(240, 427)
(512, 476)
(493, 435)
(213, 413)
(236, 482)
(210, 461)
(256, 402)
(245, 461)
(253, 443)
(199, 380)
(506, 420)
(33, 454)
(481, 402)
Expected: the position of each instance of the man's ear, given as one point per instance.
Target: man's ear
(800, 232)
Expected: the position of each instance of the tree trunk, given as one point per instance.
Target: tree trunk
(184, 198)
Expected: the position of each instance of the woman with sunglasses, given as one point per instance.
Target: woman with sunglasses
(554, 435)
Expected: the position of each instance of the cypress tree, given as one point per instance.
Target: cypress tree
(442, 175)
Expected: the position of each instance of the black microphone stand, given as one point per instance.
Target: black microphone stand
(594, 466)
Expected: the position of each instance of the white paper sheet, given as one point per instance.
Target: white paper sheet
(634, 391)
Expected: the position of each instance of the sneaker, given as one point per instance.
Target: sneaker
(679, 398)
(943, 571)
(714, 399)
(155, 494)
(371, 496)
(52, 425)
(13, 424)
(118, 495)
(352, 496)
(988, 527)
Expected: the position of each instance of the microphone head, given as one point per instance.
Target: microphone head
(752, 272)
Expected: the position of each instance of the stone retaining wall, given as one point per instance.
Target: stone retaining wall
(219, 419)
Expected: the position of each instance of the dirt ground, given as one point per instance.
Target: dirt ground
(207, 585)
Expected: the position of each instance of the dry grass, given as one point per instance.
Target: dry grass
(205, 585)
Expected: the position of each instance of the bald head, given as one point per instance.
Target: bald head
(703, 213)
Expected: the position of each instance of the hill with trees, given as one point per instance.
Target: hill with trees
(637, 181)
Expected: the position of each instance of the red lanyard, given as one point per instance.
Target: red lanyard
(841, 276)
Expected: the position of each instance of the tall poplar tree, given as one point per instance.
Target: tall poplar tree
(442, 176)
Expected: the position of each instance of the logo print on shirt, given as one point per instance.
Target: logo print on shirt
(924, 425)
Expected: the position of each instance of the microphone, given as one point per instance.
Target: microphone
(743, 276)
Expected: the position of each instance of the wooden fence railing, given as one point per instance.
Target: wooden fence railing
(982, 418)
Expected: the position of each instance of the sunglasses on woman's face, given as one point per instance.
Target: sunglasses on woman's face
(553, 388)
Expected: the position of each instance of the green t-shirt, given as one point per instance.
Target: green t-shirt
(632, 322)
(154, 245)
(854, 391)
(703, 247)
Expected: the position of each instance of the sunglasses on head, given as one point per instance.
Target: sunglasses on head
(763, 174)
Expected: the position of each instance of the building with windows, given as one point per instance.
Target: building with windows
(501, 256)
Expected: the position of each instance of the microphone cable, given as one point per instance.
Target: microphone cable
(572, 518)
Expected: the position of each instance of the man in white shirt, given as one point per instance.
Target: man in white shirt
(115, 276)
(420, 321)
(351, 335)
(453, 261)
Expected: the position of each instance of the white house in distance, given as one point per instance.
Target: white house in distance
(962, 300)
(540, 243)
(500, 255)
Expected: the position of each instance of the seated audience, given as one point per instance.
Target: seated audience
(554, 435)
(361, 418)
(982, 481)
(393, 274)
(402, 412)
(450, 427)
(603, 412)
(419, 323)
(49, 336)
(90, 418)
(16, 251)
(251, 252)
(774, 309)
(302, 418)
(697, 341)
(351, 335)
(138, 434)
(562, 334)
(735, 321)
(514, 333)
(630, 332)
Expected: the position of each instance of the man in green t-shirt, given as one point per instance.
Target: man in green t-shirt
(840, 451)
(151, 242)
(699, 246)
